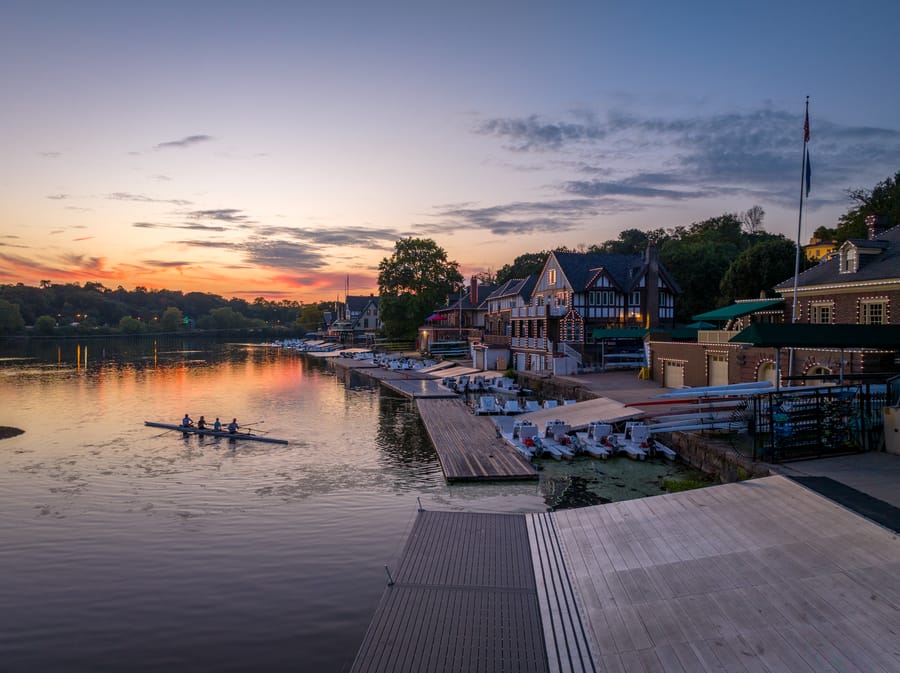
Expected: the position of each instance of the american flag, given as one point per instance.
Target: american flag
(806, 128)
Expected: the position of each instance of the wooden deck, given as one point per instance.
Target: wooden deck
(761, 575)
(467, 445)
(464, 600)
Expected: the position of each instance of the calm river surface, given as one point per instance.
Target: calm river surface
(127, 548)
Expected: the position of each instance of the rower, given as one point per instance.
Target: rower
(187, 422)
(217, 426)
(201, 424)
(233, 426)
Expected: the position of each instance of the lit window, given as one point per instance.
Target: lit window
(551, 276)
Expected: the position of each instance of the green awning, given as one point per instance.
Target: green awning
(739, 309)
(625, 333)
(807, 335)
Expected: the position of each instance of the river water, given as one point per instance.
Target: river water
(124, 547)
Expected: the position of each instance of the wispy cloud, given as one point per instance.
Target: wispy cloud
(50, 155)
(57, 197)
(646, 160)
(552, 216)
(182, 143)
(143, 198)
(189, 227)
(232, 215)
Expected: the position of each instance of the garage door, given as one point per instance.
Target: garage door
(673, 374)
(717, 366)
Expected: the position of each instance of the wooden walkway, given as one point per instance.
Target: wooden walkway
(468, 446)
(761, 575)
(464, 600)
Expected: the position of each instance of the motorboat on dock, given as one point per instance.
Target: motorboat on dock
(556, 440)
(522, 438)
(595, 442)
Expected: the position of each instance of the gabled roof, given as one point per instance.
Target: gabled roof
(357, 303)
(738, 309)
(515, 287)
(626, 271)
(807, 335)
(882, 266)
(580, 267)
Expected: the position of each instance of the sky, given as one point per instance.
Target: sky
(280, 149)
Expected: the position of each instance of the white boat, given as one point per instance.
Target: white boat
(595, 440)
(663, 450)
(522, 438)
(487, 405)
(625, 442)
(532, 405)
(556, 440)
(502, 384)
(512, 407)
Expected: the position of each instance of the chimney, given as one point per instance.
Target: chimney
(473, 291)
(651, 280)
(875, 224)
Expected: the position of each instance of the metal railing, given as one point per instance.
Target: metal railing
(823, 421)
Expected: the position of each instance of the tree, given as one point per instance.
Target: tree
(11, 321)
(758, 269)
(698, 264)
(172, 319)
(882, 201)
(414, 280)
(630, 242)
(522, 266)
(752, 219)
(45, 325)
(130, 325)
(311, 318)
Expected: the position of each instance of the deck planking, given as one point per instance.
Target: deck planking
(464, 600)
(468, 446)
(763, 575)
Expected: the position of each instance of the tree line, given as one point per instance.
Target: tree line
(92, 308)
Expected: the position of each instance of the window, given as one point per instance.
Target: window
(873, 312)
(551, 276)
(848, 260)
(821, 313)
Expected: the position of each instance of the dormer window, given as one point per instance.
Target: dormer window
(849, 260)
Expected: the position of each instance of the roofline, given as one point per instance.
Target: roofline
(788, 289)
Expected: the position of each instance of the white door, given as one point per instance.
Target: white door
(717, 366)
(673, 374)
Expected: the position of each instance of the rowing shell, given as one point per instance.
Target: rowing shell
(214, 433)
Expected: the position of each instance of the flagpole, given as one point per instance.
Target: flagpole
(803, 189)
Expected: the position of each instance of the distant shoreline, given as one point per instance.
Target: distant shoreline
(6, 432)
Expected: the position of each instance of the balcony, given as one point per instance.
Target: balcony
(720, 336)
(529, 312)
(531, 343)
(496, 340)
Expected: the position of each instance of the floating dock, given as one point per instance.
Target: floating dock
(468, 446)
(760, 575)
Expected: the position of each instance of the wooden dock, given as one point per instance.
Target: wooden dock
(464, 600)
(761, 575)
(468, 446)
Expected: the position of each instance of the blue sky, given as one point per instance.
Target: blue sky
(272, 148)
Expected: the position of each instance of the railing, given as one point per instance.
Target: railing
(497, 339)
(571, 352)
(450, 333)
(534, 343)
(558, 311)
(528, 312)
(719, 336)
(823, 421)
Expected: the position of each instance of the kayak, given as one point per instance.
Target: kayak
(215, 433)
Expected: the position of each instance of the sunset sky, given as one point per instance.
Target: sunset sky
(272, 148)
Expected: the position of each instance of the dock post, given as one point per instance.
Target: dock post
(390, 579)
(421, 509)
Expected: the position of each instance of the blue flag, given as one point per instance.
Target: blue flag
(808, 173)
